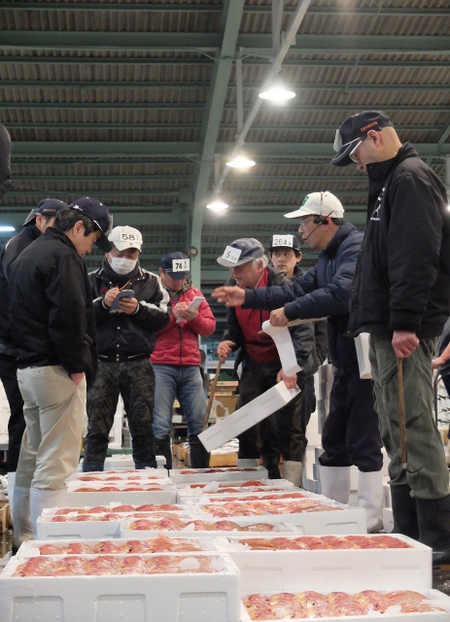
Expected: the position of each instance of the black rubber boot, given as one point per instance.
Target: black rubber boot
(404, 509)
(89, 467)
(434, 527)
(144, 465)
(199, 455)
(272, 462)
(163, 448)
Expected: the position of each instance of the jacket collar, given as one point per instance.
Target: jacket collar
(331, 248)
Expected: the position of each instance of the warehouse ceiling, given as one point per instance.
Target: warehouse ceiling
(140, 103)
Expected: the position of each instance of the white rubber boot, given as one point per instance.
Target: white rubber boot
(245, 463)
(41, 499)
(370, 497)
(292, 471)
(335, 482)
(11, 484)
(22, 527)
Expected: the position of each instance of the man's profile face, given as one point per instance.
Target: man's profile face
(83, 243)
(247, 274)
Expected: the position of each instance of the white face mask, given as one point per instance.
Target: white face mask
(122, 265)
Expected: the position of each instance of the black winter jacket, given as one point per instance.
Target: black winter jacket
(9, 254)
(122, 337)
(302, 335)
(51, 315)
(324, 290)
(402, 279)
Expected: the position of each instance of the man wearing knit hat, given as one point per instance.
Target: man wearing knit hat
(402, 298)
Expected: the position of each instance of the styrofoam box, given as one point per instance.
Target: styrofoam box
(438, 598)
(47, 529)
(75, 499)
(387, 569)
(253, 496)
(212, 543)
(153, 475)
(344, 520)
(185, 476)
(185, 492)
(120, 462)
(248, 415)
(281, 529)
(201, 597)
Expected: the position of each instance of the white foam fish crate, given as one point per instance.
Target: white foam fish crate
(122, 546)
(192, 530)
(186, 492)
(437, 598)
(390, 568)
(153, 475)
(248, 415)
(99, 494)
(47, 528)
(340, 519)
(185, 476)
(196, 597)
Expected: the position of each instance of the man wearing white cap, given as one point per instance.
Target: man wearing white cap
(350, 434)
(130, 306)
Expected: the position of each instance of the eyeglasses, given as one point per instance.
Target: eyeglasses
(352, 155)
(304, 222)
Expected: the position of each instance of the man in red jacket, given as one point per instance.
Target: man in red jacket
(176, 359)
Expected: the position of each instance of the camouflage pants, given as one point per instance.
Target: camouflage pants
(135, 381)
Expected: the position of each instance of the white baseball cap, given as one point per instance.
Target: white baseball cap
(126, 237)
(319, 203)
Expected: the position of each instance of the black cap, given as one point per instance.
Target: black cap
(46, 207)
(176, 265)
(241, 251)
(284, 240)
(99, 214)
(353, 129)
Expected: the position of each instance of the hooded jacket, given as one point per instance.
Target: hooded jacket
(177, 343)
(323, 291)
(402, 279)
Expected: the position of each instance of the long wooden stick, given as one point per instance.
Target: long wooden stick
(212, 392)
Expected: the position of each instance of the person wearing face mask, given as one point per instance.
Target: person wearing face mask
(126, 334)
(176, 359)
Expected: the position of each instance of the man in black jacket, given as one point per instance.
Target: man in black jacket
(36, 223)
(126, 337)
(281, 433)
(402, 298)
(53, 331)
(350, 434)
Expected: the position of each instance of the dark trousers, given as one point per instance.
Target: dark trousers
(16, 422)
(135, 381)
(281, 432)
(351, 434)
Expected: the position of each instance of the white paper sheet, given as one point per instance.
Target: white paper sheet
(284, 345)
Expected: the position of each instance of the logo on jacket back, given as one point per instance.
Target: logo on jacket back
(376, 212)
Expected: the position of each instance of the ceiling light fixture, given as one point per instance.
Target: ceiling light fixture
(7, 229)
(277, 92)
(240, 160)
(217, 205)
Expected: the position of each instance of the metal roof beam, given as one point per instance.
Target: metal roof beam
(216, 8)
(154, 86)
(89, 59)
(211, 42)
(156, 149)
